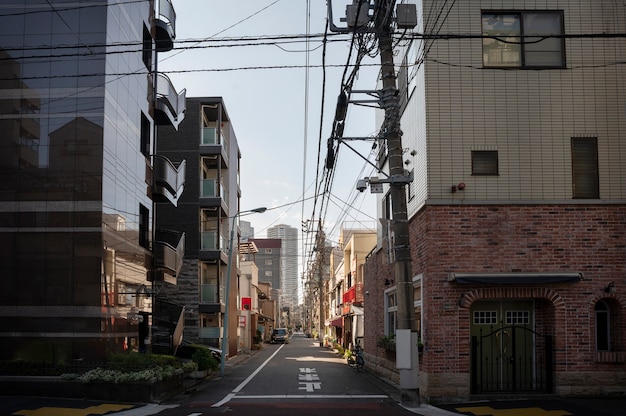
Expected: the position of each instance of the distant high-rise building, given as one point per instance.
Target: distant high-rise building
(247, 230)
(289, 262)
(268, 260)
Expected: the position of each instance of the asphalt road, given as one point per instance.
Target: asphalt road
(298, 378)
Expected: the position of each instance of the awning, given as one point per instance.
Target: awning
(517, 278)
(338, 322)
(356, 310)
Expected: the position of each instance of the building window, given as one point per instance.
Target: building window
(517, 317)
(268, 251)
(412, 66)
(146, 53)
(391, 312)
(411, 188)
(485, 162)
(144, 226)
(145, 135)
(268, 273)
(585, 178)
(603, 332)
(388, 207)
(530, 39)
(268, 262)
(485, 317)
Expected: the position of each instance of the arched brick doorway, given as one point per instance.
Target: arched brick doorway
(512, 334)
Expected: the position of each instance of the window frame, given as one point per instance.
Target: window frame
(524, 40)
(485, 317)
(588, 169)
(144, 226)
(602, 316)
(484, 172)
(391, 309)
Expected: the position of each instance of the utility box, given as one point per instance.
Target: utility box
(406, 16)
(406, 349)
(362, 19)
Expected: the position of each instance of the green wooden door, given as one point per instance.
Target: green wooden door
(504, 351)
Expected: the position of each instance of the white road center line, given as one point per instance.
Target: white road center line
(237, 389)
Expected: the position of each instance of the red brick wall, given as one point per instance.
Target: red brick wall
(502, 238)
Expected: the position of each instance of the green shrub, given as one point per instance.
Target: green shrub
(136, 361)
(117, 376)
(31, 368)
(204, 359)
(190, 366)
(200, 354)
(339, 348)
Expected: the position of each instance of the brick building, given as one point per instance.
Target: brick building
(517, 213)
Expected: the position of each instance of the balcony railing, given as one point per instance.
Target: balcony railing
(211, 293)
(170, 106)
(169, 179)
(212, 240)
(354, 294)
(212, 188)
(214, 332)
(210, 137)
(165, 25)
(169, 253)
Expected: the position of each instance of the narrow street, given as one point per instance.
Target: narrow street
(286, 379)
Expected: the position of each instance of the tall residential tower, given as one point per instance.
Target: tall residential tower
(289, 262)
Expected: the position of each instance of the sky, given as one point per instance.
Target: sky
(282, 122)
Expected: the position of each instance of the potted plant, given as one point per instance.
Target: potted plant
(388, 342)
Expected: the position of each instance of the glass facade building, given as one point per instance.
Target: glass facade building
(79, 100)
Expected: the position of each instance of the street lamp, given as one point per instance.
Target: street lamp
(228, 277)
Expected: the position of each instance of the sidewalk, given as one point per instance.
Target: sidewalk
(554, 406)
(549, 405)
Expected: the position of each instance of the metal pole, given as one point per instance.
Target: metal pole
(402, 252)
(227, 290)
(227, 295)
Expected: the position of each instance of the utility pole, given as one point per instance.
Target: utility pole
(406, 334)
(358, 19)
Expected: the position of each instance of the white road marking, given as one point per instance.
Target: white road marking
(310, 387)
(313, 396)
(149, 409)
(309, 377)
(237, 389)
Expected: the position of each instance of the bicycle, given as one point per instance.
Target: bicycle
(355, 359)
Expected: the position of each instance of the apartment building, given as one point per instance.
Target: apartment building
(79, 101)
(289, 262)
(206, 213)
(345, 296)
(513, 117)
